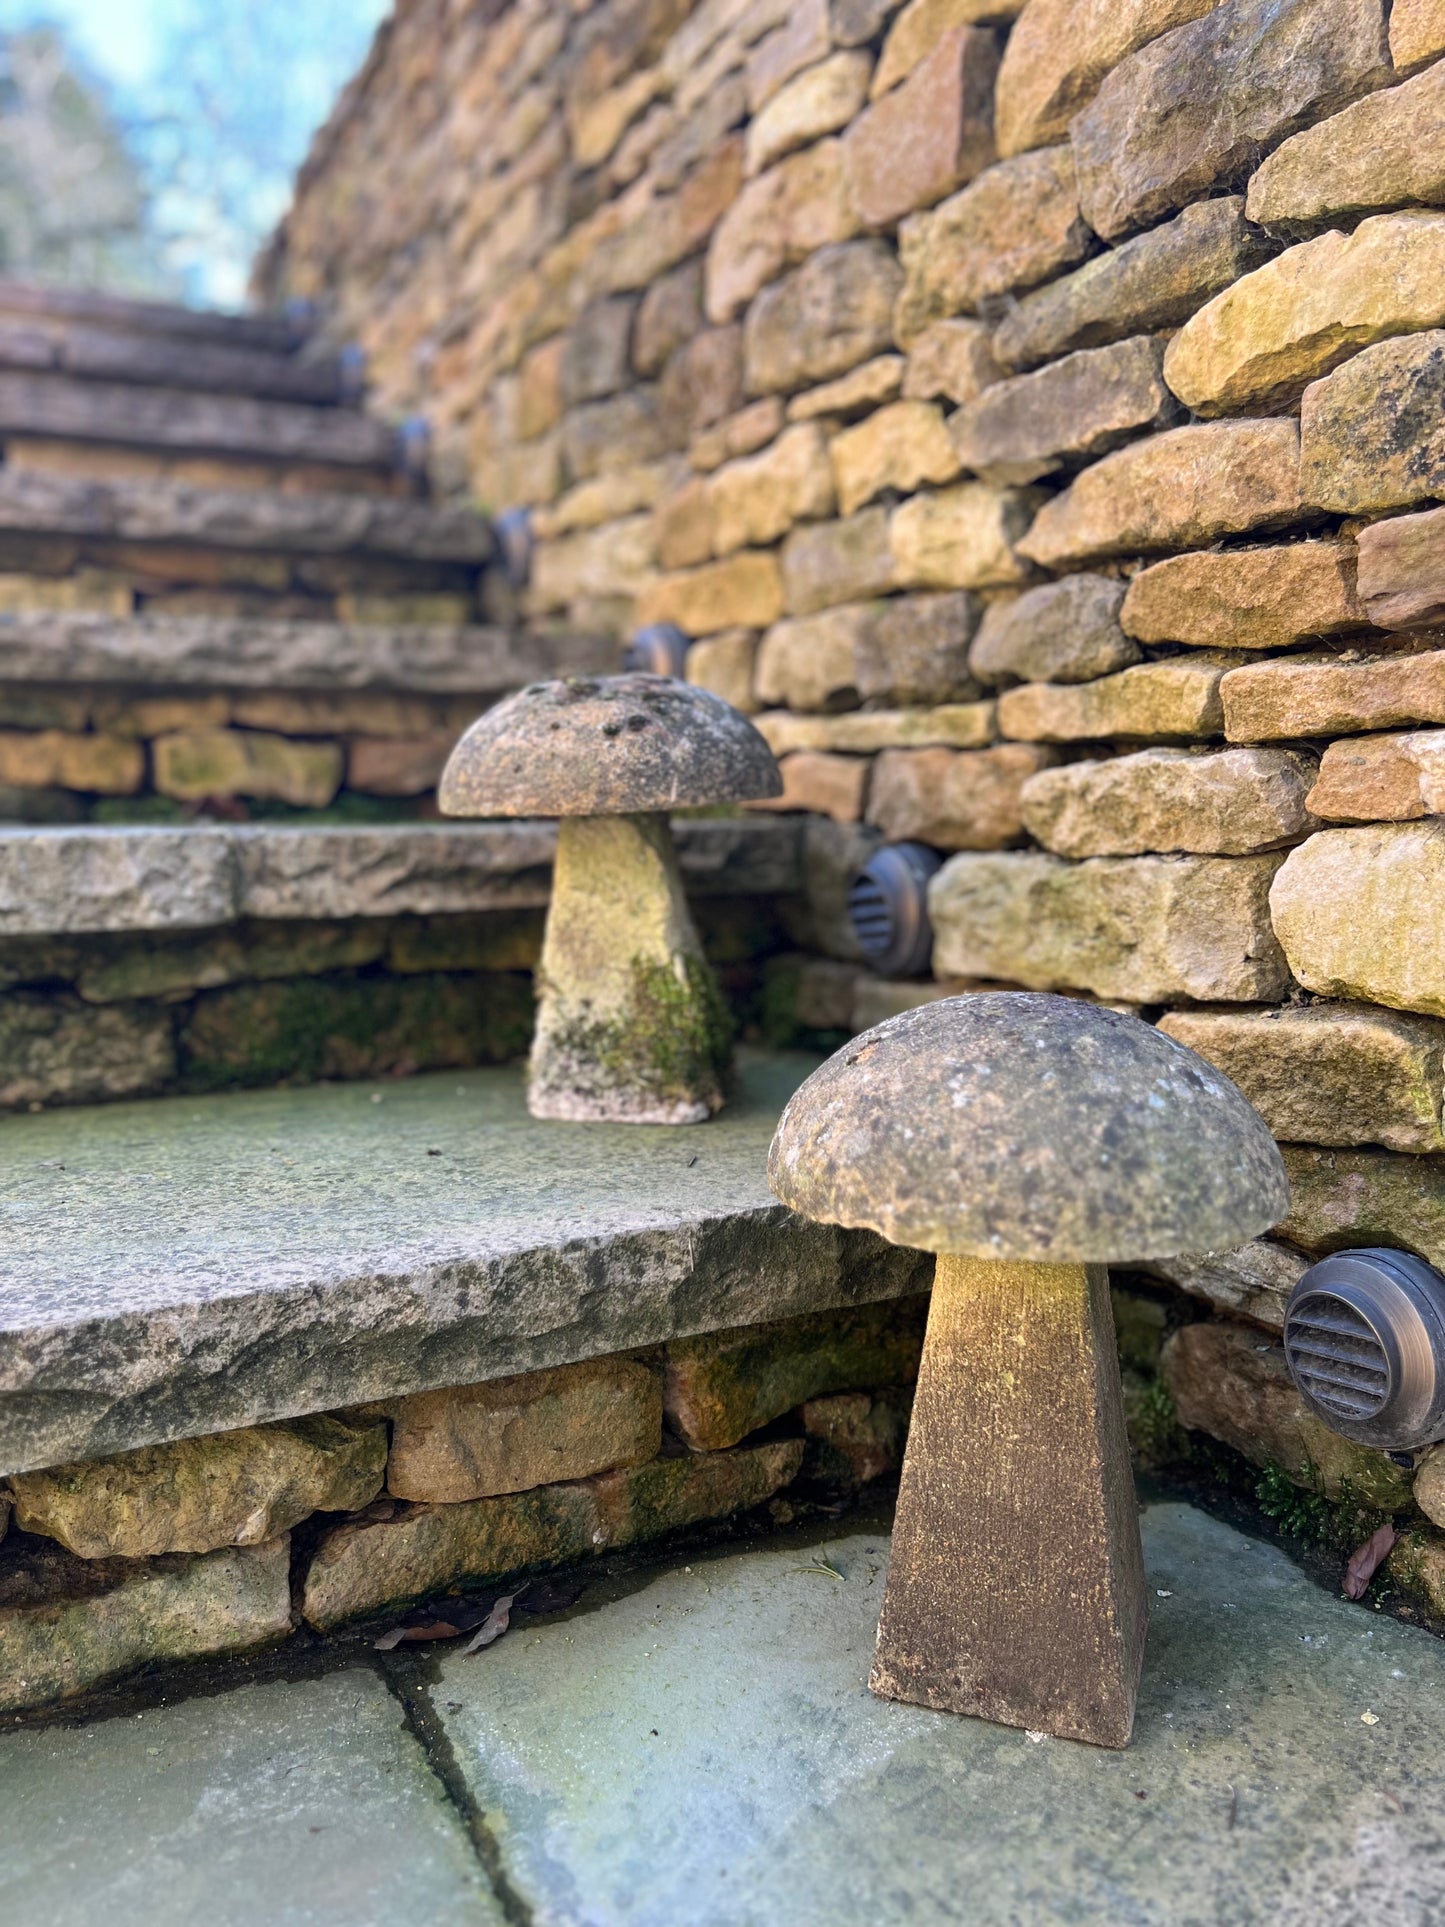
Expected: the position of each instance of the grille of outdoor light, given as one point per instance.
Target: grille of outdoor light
(1364, 1338)
(660, 650)
(888, 905)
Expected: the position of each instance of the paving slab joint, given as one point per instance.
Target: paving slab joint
(404, 1680)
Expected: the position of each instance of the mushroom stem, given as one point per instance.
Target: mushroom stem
(1016, 1584)
(630, 1027)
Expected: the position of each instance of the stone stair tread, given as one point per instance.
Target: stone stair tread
(93, 352)
(36, 503)
(73, 881)
(60, 407)
(275, 333)
(189, 1265)
(226, 652)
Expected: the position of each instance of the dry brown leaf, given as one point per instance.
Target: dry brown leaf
(1365, 1560)
(493, 1626)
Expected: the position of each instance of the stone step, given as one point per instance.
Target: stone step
(179, 421)
(43, 344)
(189, 1266)
(272, 334)
(217, 652)
(62, 882)
(143, 511)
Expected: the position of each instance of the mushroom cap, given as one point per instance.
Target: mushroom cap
(1026, 1127)
(606, 746)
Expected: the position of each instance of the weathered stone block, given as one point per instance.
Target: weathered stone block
(862, 389)
(724, 1386)
(800, 38)
(1246, 598)
(743, 433)
(755, 501)
(615, 433)
(1061, 632)
(1358, 914)
(961, 538)
(860, 1436)
(670, 1494)
(1225, 1382)
(1016, 225)
(833, 312)
(903, 447)
(820, 100)
(232, 1489)
(743, 592)
(1372, 434)
(1428, 1492)
(1150, 283)
(1331, 695)
(1417, 1566)
(919, 27)
(810, 662)
(1329, 1073)
(781, 216)
(927, 136)
(1402, 570)
(1342, 1199)
(825, 783)
(345, 1026)
(1417, 32)
(951, 361)
(1059, 53)
(1194, 110)
(829, 563)
(1178, 697)
(864, 731)
(56, 1050)
(668, 316)
(724, 664)
(702, 386)
(1232, 802)
(364, 1568)
(1382, 779)
(1263, 341)
(595, 359)
(1255, 1280)
(617, 559)
(1064, 415)
(102, 764)
(510, 1434)
(1144, 930)
(953, 799)
(1179, 490)
(908, 649)
(1387, 150)
(194, 764)
(67, 1626)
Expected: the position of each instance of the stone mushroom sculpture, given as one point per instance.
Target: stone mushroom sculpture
(630, 1026)
(1030, 1141)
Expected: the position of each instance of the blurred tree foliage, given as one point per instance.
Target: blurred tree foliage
(73, 200)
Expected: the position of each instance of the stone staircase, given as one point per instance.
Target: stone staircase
(238, 639)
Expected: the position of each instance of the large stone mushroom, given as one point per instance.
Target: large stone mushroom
(1030, 1141)
(630, 1026)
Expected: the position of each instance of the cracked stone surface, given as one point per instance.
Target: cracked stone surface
(190, 1265)
(296, 1803)
(693, 1745)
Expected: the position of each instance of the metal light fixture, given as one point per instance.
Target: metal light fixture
(660, 650)
(1364, 1338)
(512, 531)
(351, 373)
(888, 906)
(413, 450)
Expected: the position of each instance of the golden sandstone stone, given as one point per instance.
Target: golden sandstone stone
(1373, 779)
(954, 799)
(1231, 802)
(1417, 32)
(1387, 150)
(817, 102)
(903, 446)
(1317, 695)
(1264, 598)
(1178, 697)
(927, 136)
(1356, 911)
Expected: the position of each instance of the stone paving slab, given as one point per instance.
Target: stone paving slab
(188, 1265)
(292, 1804)
(703, 1752)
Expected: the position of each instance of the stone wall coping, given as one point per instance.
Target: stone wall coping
(73, 881)
(190, 1265)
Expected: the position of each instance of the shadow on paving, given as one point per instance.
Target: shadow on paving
(695, 1746)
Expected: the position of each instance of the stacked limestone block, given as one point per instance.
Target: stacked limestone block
(1032, 413)
(217, 1544)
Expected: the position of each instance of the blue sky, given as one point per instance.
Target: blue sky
(223, 96)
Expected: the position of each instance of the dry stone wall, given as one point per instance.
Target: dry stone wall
(1032, 414)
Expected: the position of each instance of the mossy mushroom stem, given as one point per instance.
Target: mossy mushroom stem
(1030, 1141)
(631, 1027)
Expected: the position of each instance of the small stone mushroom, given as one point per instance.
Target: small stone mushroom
(1030, 1141)
(631, 1028)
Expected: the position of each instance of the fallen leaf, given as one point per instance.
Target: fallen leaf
(825, 1569)
(1369, 1719)
(1365, 1559)
(417, 1635)
(493, 1626)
